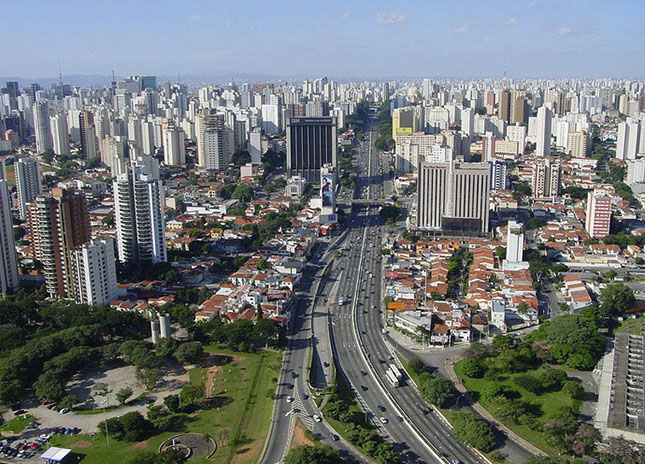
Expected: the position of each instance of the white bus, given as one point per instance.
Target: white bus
(392, 378)
(395, 370)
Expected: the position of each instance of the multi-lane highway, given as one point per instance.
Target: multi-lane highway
(358, 346)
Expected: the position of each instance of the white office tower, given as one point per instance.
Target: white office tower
(215, 142)
(173, 145)
(498, 175)
(94, 272)
(628, 144)
(28, 183)
(636, 171)
(410, 150)
(60, 134)
(452, 198)
(255, 145)
(545, 181)
(134, 133)
(140, 222)
(271, 119)
(9, 279)
(147, 138)
(514, 248)
(543, 132)
(468, 122)
(42, 127)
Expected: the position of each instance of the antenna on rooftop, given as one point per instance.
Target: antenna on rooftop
(60, 74)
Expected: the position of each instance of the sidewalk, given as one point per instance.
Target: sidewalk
(450, 369)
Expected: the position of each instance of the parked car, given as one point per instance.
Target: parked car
(317, 418)
(64, 411)
(383, 420)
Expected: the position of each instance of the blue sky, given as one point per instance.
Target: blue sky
(351, 38)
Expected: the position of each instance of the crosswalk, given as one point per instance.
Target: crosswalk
(298, 410)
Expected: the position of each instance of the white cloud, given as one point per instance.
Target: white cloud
(465, 27)
(487, 39)
(390, 17)
(565, 31)
(345, 15)
(195, 17)
(512, 20)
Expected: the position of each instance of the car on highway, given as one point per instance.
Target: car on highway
(289, 399)
(381, 408)
(364, 388)
(383, 420)
(317, 418)
(333, 436)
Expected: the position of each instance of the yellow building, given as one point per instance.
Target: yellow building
(402, 122)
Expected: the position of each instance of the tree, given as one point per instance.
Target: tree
(559, 267)
(135, 426)
(500, 252)
(576, 192)
(616, 299)
(190, 352)
(639, 261)
(68, 401)
(438, 391)
(165, 347)
(473, 367)
(265, 329)
(473, 431)
(416, 366)
(191, 394)
(148, 377)
(262, 264)
(320, 454)
(550, 379)
(172, 403)
(242, 192)
(170, 456)
(123, 395)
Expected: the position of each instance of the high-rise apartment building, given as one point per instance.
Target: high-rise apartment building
(89, 143)
(598, 218)
(543, 132)
(28, 183)
(545, 181)
(173, 145)
(58, 223)
(578, 144)
(214, 141)
(311, 143)
(514, 242)
(504, 105)
(140, 222)
(628, 143)
(60, 134)
(94, 270)
(636, 171)
(452, 198)
(9, 278)
(498, 175)
(42, 127)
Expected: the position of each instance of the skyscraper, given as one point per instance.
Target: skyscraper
(89, 144)
(58, 224)
(452, 198)
(628, 142)
(545, 181)
(598, 218)
(543, 132)
(514, 242)
(214, 141)
(60, 134)
(42, 127)
(504, 105)
(311, 143)
(9, 278)
(140, 222)
(28, 183)
(94, 269)
(173, 145)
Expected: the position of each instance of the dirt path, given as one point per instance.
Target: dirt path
(210, 376)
